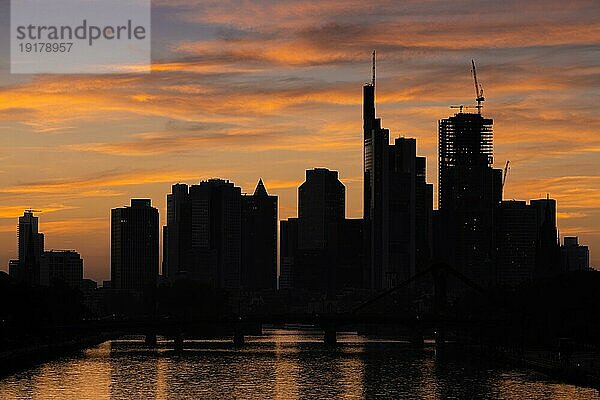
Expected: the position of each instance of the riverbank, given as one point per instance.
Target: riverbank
(23, 357)
(581, 368)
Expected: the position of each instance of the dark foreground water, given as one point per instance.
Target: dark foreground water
(279, 365)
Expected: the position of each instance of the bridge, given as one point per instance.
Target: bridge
(436, 320)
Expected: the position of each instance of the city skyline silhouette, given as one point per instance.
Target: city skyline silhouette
(216, 235)
(462, 110)
(298, 199)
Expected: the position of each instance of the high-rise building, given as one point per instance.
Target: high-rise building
(321, 203)
(375, 165)
(177, 233)
(222, 238)
(423, 216)
(321, 250)
(346, 255)
(31, 247)
(469, 190)
(216, 246)
(62, 267)
(576, 257)
(548, 260)
(516, 231)
(397, 202)
(402, 207)
(288, 237)
(307, 241)
(259, 239)
(134, 246)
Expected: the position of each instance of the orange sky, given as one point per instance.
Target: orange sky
(243, 90)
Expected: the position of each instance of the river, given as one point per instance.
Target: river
(281, 364)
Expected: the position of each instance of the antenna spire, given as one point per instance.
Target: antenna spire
(373, 80)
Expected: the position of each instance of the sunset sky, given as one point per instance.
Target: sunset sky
(244, 90)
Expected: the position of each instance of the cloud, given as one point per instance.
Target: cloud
(94, 185)
(17, 211)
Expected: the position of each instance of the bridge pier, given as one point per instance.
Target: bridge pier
(238, 338)
(178, 342)
(330, 337)
(150, 339)
(440, 336)
(417, 338)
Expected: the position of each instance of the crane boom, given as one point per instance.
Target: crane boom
(506, 169)
(478, 88)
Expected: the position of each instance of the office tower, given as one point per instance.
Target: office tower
(14, 269)
(134, 246)
(469, 189)
(259, 239)
(402, 211)
(177, 233)
(63, 267)
(321, 250)
(423, 216)
(31, 247)
(516, 230)
(217, 236)
(576, 257)
(346, 255)
(548, 260)
(397, 202)
(375, 164)
(288, 237)
(321, 203)
(321, 208)
(216, 233)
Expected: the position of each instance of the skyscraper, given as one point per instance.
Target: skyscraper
(375, 164)
(402, 211)
(288, 238)
(177, 233)
(31, 246)
(134, 246)
(259, 239)
(576, 257)
(321, 250)
(397, 202)
(547, 247)
(321, 202)
(515, 240)
(222, 238)
(469, 189)
(423, 216)
(321, 207)
(216, 246)
(63, 267)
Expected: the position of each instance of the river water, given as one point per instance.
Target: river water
(281, 364)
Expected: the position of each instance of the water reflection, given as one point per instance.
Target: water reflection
(279, 365)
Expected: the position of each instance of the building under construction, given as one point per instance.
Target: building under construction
(465, 142)
(469, 190)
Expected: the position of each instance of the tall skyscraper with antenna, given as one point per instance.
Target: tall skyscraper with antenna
(397, 202)
(375, 163)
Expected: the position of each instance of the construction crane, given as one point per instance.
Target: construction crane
(461, 108)
(506, 169)
(478, 88)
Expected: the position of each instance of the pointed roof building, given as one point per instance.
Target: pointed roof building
(260, 189)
